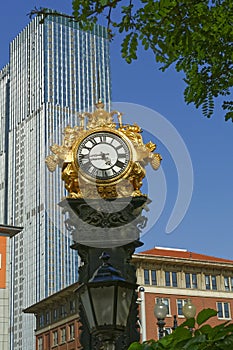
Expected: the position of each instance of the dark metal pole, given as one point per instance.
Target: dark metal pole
(175, 323)
(161, 325)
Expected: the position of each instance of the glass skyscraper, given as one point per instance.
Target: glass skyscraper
(55, 72)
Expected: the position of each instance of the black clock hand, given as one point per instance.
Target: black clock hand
(102, 155)
(108, 161)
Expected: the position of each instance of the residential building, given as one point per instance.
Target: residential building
(55, 71)
(174, 275)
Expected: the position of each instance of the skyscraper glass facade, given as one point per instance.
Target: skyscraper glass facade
(55, 72)
(4, 121)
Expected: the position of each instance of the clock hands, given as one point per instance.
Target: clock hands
(103, 156)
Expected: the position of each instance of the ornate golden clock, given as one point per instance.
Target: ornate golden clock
(103, 158)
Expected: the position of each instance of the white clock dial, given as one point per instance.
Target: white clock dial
(103, 155)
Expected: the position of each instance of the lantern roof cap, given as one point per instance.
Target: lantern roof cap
(106, 272)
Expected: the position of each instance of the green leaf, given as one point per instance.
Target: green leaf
(194, 342)
(205, 315)
(195, 36)
(190, 323)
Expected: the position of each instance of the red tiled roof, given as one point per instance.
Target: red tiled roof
(184, 254)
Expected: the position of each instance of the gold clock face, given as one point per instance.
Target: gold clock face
(103, 155)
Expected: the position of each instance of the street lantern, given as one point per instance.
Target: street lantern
(189, 309)
(106, 299)
(160, 311)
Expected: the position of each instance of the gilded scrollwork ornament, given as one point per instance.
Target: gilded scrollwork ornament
(102, 157)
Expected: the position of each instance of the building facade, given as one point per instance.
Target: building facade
(55, 72)
(4, 293)
(5, 233)
(174, 275)
(57, 321)
(4, 121)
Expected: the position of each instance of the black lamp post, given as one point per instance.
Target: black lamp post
(175, 323)
(160, 311)
(106, 299)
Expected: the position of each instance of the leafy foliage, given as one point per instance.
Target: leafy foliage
(204, 336)
(196, 36)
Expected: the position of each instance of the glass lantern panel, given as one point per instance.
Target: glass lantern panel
(103, 302)
(124, 300)
(87, 306)
(160, 310)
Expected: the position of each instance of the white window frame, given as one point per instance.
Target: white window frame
(55, 338)
(184, 301)
(63, 335)
(223, 310)
(192, 286)
(211, 281)
(167, 302)
(149, 271)
(167, 331)
(229, 283)
(171, 278)
(71, 331)
(40, 343)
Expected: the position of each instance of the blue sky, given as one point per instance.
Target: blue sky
(207, 226)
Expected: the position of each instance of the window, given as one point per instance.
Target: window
(210, 282)
(207, 281)
(228, 283)
(214, 282)
(180, 303)
(71, 331)
(191, 280)
(168, 330)
(63, 310)
(166, 301)
(72, 306)
(40, 343)
(167, 279)
(63, 335)
(41, 320)
(174, 279)
(153, 278)
(146, 277)
(223, 310)
(150, 277)
(170, 279)
(55, 314)
(47, 315)
(55, 338)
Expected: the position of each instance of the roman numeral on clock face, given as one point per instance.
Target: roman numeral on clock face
(103, 155)
(119, 164)
(93, 141)
(92, 171)
(84, 157)
(121, 155)
(87, 165)
(103, 138)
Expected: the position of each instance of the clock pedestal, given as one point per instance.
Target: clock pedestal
(100, 225)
